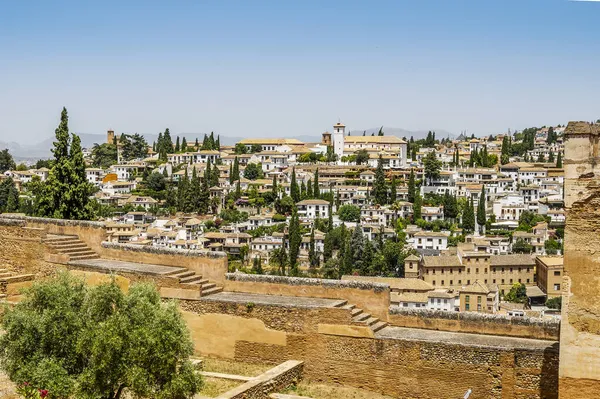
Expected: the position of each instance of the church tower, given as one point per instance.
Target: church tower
(339, 131)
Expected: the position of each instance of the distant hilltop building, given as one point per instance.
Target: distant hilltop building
(339, 130)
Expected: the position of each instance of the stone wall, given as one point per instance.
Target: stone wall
(414, 365)
(210, 265)
(477, 323)
(580, 329)
(373, 298)
(273, 380)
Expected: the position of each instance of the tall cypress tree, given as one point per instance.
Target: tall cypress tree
(236, 170)
(167, 142)
(317, 192)
(177, 146)
(204, 195)
(481, 216)
(379, 186)
(559, 163)
(295, 240)
(182, 190)
(468, 222)
(417, 207)
(393, 190)
(274, 186)
(411, 186)
(78, 196)
(294, 189)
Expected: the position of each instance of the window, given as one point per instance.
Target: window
(459, 281)
(485, 281)
(468, 282)
(468, 270)
(485, 270)
(405, 304)
(467, 306)
(502, 281)
(511, 280)
(439, 300)
(433, 282)
(477, 270)
(479, 308)
(451, 282)
(557, 273)
(527, 280)
(467, 297)
(494, 281)
(442, 282)
(478, 299)
(556, 287)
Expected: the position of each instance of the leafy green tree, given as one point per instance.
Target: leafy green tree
(521, 247)
(253, 171)
(6, 161)
(379, 186)
(468, 218)
(362, 156)
(411, 187)
(349, 213)
(77, 341)
(552, 246)
(450, 206)
(77, 199)
(432, 167)
(517, 293)
(104, 155)
(156, 182)
(257, 265)
(554, 303)
(552, 136)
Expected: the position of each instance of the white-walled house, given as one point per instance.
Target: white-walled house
(441, 299)
(431, 240)
(313, 208)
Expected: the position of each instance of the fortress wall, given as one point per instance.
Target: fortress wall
(580, 328)
(413, 366)
(373, 298)
(477, 323)
(211, 265)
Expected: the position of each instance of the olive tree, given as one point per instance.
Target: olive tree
(97, 342)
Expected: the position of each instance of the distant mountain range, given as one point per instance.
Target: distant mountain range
(33, 152)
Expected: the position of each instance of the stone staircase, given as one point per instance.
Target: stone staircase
(8, 277)
(71, 246)
(193, 280)
(362, 318)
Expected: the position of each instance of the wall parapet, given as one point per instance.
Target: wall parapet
(473, 322)
(58, 222)
(6, 221)
(163, 251)
(299, 281)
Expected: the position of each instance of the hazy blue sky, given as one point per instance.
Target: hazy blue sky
(283, 68)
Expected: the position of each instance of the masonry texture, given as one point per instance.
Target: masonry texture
(580, 329)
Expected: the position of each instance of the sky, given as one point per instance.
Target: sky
(286, 68)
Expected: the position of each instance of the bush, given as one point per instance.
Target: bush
(554, 303)
(349, 213)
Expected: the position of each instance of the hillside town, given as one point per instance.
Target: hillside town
(457, 224)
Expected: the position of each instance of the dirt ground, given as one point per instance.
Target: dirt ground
(323, 391)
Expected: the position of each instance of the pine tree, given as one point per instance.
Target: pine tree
(317, 192)
(196, 144)
(411, 187)
(393, 190)
(167, 142)
(294, 190)
(379, 186)
(559, 163)
(481, 208)
(177, 146)
(468, 222)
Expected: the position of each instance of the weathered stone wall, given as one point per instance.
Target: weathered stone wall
(412, 367)
(477, 323)
(22, 250)
(580, 329)
(373, 298)
(210, 265)
(274, 380)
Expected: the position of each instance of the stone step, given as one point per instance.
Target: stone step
(379, 325)
(175, 270)
(371, 320)
(83, 257)
(349, 307)
(61, 241)
(208, 286)
(224, 376)
(339, 304)
(361, 317)
(356, 311)
(286, 396)
(7, 274)
(69, 246)
(211, 291)
(80, 253)
(190, 279)
(19, 278)
(184, 274)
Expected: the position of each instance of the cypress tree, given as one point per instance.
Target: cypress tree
(367, 258)
(317, 192)
(184, 145)
(154, 146)
(182, 190)
(330, 218)
(468, 222)
(167, 142)
(309, 189)
(559, 163)
(295, 240)
(312, 253)
(204, 195)
(481, 216)
(231, 173)
(294, 191)
(218, 144)
(393, 190)
(302, 191)
(77, 198)
(357, 246)
(417, 207)
(379, 187)
(551, 157)
(411, 187)
(197, 145)
(274, 186)
(193, 193)
(236, 169)
(238, 190)
(215, 174)
(177, 146)
(211, 141)
(347, 262)
(327, 246)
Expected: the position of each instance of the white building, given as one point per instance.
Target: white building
(314, 208)
(441, 299)
(339, 131)
(431, 240)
